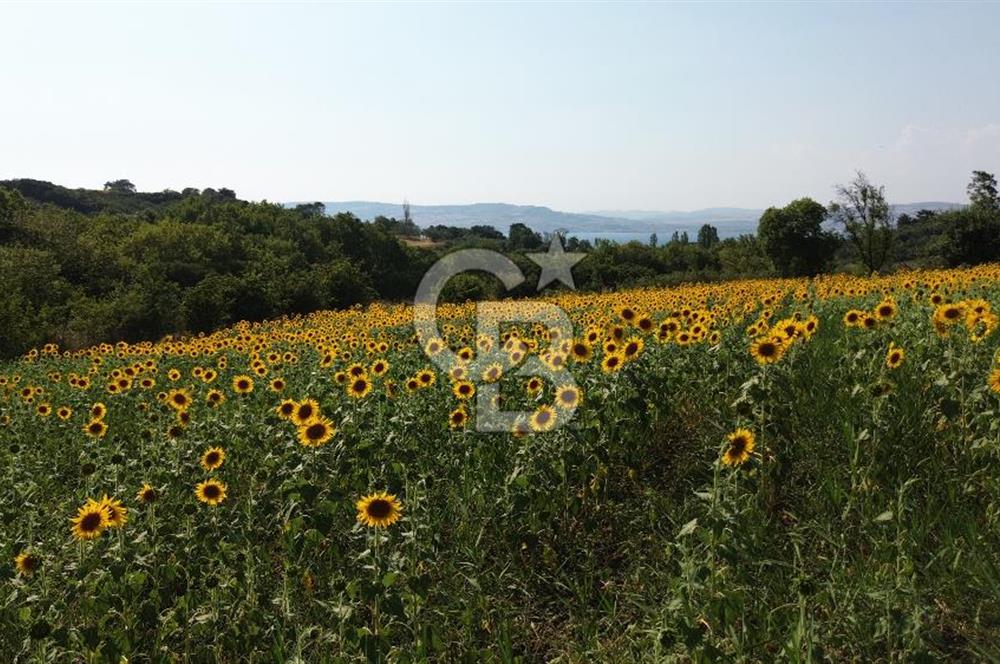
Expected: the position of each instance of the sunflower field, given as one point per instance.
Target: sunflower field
(795, 470)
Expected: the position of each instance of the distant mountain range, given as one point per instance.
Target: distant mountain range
(729, 221)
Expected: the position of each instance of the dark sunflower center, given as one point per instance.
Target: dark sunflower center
(316, 431)
(305, 411)
(951, 313)
(90, 522)
(360, 385)
(95, 427)
(885, 311)
(542, 417)
(737, 446)
(379, 508)
(243, 385)
(767, 349)
(212, 458)
(211, 491)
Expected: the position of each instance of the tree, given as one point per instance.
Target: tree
(743, 256)
(982, 191)
(522, 237)
(862, 209)
(316, 209)
(708, 236)
(407, 217)
(794, 239)
(12, 208)
(973, 233)
(119, 186)
(653, 240)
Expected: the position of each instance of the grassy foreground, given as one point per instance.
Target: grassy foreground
(760, 470)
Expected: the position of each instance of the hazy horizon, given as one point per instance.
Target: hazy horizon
(574, 107)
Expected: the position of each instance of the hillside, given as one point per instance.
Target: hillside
(729, 221)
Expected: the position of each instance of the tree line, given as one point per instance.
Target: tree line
(83, 266)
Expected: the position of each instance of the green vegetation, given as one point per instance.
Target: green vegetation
(83, 266)
(825, 489)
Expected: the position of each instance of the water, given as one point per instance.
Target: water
(621, 237)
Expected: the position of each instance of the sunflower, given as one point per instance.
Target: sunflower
(632, 348)
(886, 310)
(277, 384)
(380, 367)
(463, 389)
(117, 513)
(379, 510)
(64, 413)
(894, 357)
(853, 318)
(741, 444)
(426, 378)
(27, 563)
(305, 411)
(568, 397)
(213, 458)
(215, 398)
(994, 380)
(581, 351)
(458, 418)
(492, 373)
(146, 495)
(434, 346)
(98, 411)
(534, 386)
(90, 521)
(612, 362)
(211, 492)
(766, 351)
(543, 419)
(95, 428)
(316, 432)
(286, 409)
(243, 384)
(179, 399)
(43, 409)
(359, 387)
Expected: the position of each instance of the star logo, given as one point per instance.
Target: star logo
(556, 264)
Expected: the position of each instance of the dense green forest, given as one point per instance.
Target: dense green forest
(82, 266)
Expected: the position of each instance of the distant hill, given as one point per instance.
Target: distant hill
(730, 221)
(111, 200)
(500, 215)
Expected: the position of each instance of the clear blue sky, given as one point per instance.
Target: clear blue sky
(575, 106)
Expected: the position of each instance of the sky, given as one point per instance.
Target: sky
(580, 107)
